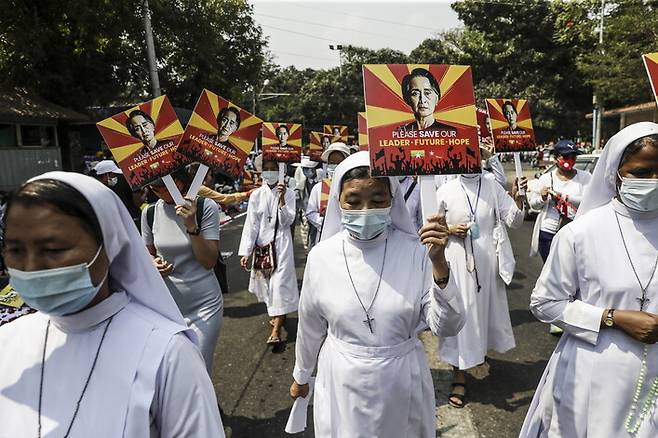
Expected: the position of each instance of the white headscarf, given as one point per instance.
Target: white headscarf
(603, 185)
(332, 221)
(131, 266)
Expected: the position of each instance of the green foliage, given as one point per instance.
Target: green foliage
(79, 53)
(324, 96)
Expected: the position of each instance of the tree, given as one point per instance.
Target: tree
(514, 51)
(325, 96)
(614, 69)
(82, 53)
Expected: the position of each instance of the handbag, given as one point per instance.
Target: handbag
(504, 252)
(264, 257)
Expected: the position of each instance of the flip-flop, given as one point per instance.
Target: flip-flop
(460, 397)
(273, 340)
(271, 322)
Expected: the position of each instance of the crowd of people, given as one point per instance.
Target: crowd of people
(126, 304)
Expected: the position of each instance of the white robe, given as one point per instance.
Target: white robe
(488, 325)
(279, 292)
(413, 201)
(588, 385)
(313, 208)
(148, 381)
(371, 385)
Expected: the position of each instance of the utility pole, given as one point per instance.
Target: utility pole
(338, 47)
(597, 113)
(150, 50)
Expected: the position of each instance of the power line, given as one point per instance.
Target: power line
(300, 33)
(334, 27)
(415, 26)
(302, 55)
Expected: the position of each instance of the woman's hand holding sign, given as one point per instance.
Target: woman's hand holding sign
(434, 235)
(188, 213)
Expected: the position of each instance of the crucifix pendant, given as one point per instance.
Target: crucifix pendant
(642, 300)
(370, 322)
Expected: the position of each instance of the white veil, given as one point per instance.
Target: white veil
(131, 266)
(603, 185)
(332, 221)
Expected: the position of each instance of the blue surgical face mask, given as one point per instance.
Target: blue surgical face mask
(309, 173)
(58, 291)
(639, 193)
(270, 177)
(366, 224)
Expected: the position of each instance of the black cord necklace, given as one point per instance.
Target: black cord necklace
(368, 321)
(84, 389)
(643, 299)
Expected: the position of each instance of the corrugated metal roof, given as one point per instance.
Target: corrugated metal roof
(19, 106)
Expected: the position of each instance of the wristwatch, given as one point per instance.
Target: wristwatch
(194, 232)
(609, 321)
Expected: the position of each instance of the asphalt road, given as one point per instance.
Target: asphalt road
(252, 380)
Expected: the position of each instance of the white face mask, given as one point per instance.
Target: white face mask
(331, 169)
(112, 181)
(366, 224)
(639, 193)
(270, 177)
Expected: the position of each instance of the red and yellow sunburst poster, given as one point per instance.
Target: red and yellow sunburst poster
(651, 64)
(483, 125)
(511, 125)
(282, 142)
(362, 122)
(336, 132)
(143, 141)
(317, 144)
(421, 119)
(220, 134)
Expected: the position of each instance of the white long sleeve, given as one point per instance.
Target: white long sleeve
(287, 212)
(313, 207)
(509, 212)
(249, 230)
(555, 298)
(498, 170)
(443, 309)
(311, 329)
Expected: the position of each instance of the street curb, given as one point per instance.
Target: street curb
(451, 422)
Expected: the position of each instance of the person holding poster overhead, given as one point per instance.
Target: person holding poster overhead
(477, 208)
(599, 284)
(370, 286)
(267, 240)
(108, 354)
(317, 200)
(185, 251)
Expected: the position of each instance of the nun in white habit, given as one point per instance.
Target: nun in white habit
(108, 354)
(599, 285)
(270, 214)
(367, 293)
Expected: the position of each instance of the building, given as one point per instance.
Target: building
(35, 137)
(618, 118)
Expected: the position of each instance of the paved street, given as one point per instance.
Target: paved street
(252, 381)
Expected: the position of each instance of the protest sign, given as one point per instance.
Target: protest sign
(336, 132)
(317, 144)
(511, 125)
(651, 64)
(363, 131)
(282, 142)
(421, 119)
(143, 141)
(483, 125)
(220, 134)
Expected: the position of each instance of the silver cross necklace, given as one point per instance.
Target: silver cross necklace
(643, 300)
(369, 322)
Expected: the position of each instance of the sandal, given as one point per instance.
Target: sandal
(457, 400)
(273, 340)
(271, 322)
